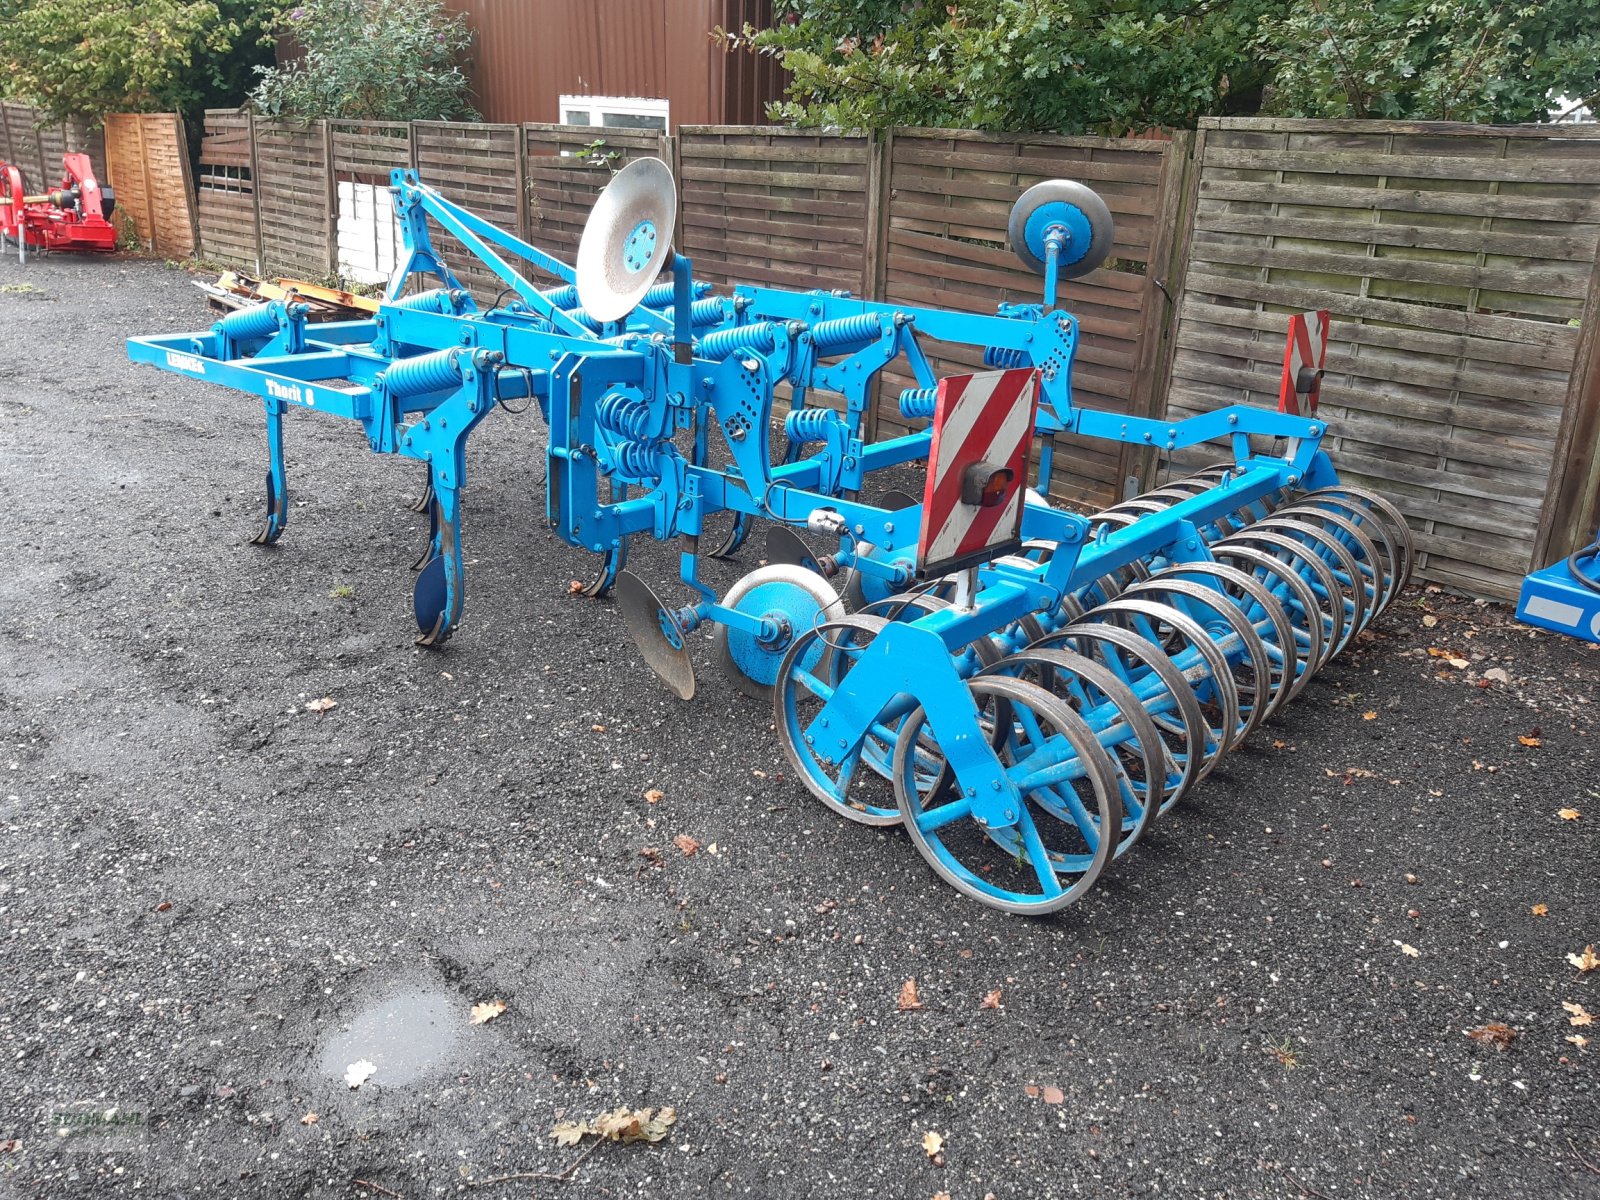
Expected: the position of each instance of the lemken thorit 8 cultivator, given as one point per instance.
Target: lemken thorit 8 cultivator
(1023, 688)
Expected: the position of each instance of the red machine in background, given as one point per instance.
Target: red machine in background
(70, 217)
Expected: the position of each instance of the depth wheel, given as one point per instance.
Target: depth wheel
(792, 600)
(1065, 829)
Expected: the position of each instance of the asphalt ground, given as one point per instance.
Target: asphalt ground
(213, 900)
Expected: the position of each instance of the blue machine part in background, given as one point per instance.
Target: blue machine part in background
(1565, 596)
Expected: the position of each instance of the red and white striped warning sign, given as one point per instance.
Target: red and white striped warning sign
(1302, 364)
(977, 469)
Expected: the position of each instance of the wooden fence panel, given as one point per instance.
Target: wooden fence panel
(27, 142)
(477, 166)
(949, 198)
(292, 188)
(781, 208)
(367, 151)
(565, 169)
(147, 163)
(225, 192)
(1456, 262)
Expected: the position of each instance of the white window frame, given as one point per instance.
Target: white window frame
(623, 106)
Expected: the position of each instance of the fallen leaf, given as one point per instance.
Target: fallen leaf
(634, 1124)
(597, 729)
(1540, 910)
(909, 1000)
(1459, 664)
(654, 796)
(1587, 961)
(651, 855)
(1053, 1095)
(1578, 1040)
(164, 906)
(1569, 814)
(1409, 951)
(483, 1013)
(358, 1073)
(1497, 674)
(991, 999)
(574, 587)
(1580, 1015)
(941, 1196)
(570, 1133)
(1496, 1033)
(321, 706)
(1369, 715)
(1031, 1090)
(686, 844)
(932, 1143)
(1429, 621)
(1523, 740)
(310, 1118)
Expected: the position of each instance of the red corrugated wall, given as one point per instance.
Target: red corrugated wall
(530, 52)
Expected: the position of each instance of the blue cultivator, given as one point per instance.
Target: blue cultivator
(1023, 688)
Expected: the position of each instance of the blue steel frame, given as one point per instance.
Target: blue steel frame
(426, 370)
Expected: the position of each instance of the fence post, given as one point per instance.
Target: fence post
(524, 217)
(671, 151)
(1163, 297)
(874, 268)
(255, 194)
(330, 200)
(1572, 498)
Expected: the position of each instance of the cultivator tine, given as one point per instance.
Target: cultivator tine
(277, 517)
(424, 502)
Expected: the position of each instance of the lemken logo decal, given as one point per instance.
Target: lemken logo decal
(290, 392)
(185, 362)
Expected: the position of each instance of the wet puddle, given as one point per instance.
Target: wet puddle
(408, 1034)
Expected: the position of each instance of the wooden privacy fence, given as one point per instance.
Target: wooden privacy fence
(1458, 262)
(147, 163)
(37, 148)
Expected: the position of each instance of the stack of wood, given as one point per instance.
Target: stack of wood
(233, 290)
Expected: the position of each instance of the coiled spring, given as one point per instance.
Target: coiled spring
(1004, 358)
(844, 331)
(562, 297)
(437, 300)
(624, 416)
(725, 343)
(640, 460)
(424, 373)
(260, 320)
(706, 312)
(809, 424)
(916, 404)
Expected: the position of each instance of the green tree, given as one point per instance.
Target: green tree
(85, 58)
(1448, 60)
(1064, 65)
(372, 60)
(1118, 65)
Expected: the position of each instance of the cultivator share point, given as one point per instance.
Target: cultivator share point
(74, 216)
(1023, 688)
